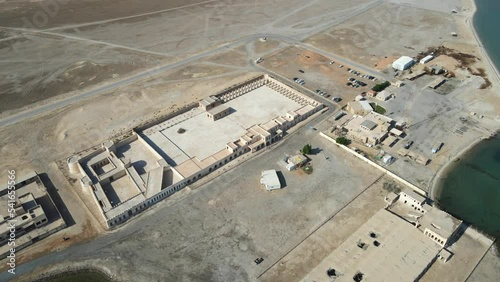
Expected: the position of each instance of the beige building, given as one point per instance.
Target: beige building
(371, 129)
(359, 108)
(384, 95)
(390, 246)
(209, 103)
(439, 226)
(35, 214)
(129, 176)
(218, 112)
(371, 93)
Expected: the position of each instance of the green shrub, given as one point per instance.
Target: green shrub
(381, 86)
(307, 149)
(343, 141)
(379, 109)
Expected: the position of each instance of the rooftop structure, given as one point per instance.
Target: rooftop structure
(371, 93)
(426, 59)
(385, 248)
(127, 177)
(296, 161)
(359, 107)
(403, 63)
(439, 226)
(218, 112)
(410, 197)
(270, 180)
(384, 95)
(371, 129)
(35, 214)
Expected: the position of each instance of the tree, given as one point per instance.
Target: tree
(381, 86)
(343, 141)
(307, 149)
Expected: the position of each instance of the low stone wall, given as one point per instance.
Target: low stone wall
(370, 162)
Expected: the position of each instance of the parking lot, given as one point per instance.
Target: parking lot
(319, 74)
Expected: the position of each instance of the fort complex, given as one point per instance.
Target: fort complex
(128, 176)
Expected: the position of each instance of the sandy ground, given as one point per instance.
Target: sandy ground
(115, 43)
(67, 48)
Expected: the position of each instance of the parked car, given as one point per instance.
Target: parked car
(437, 148)
(301, 71)
(408, 144)
(258, 260)
(331, 62)
(337, 99)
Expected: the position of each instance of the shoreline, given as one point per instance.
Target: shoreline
(435, 182)
(444, 170)
(61, 270)
(469, 21)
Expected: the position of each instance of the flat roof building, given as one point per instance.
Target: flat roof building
(124, 178)
(270, 179)
(384, 95)
(35, 217)
(370, 129)
(385, 248)
(359, 107)
(295, 162)
(403, 63)
(426, 59)
(439, 226)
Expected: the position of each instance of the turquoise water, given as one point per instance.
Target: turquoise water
(471, 190)
(486, 22)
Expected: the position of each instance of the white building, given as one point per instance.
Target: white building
(295, 162)
(403, 63)
(270, 180)
(427, 59)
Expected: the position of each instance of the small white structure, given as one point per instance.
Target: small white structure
(359, 98)
(295, 162)
(403, 63)
(270, 180)
(426, 59)
(388, 159)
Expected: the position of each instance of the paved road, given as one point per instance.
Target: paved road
(31, 113)
(34, 112)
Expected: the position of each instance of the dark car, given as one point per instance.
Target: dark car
(295, 78)
(337, 99)
(301, 71)
(258, 260)
(408, 145)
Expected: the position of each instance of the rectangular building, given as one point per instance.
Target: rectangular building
(270, 180)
